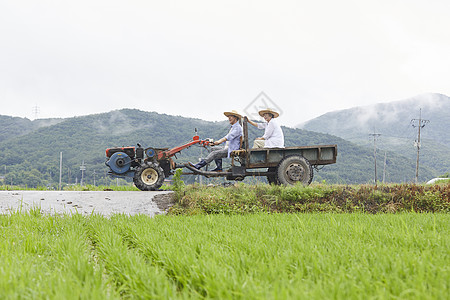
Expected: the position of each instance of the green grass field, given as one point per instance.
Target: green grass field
(78, 187)
(257, 256)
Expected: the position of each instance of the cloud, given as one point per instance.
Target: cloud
(200, 58)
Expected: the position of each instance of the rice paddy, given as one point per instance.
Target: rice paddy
(256, 256)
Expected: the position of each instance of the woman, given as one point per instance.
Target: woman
(273, 134)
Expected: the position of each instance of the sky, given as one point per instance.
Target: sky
(200, 58)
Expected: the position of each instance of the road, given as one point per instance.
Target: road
(105, 203)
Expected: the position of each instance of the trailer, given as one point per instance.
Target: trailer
(286, 166)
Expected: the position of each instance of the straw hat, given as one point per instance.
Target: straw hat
(232, 113)
(268, 111)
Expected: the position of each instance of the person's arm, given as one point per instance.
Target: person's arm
(253, 123)
(224, 139)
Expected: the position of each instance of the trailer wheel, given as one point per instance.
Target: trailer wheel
(272, 179)
(293, 169)
(149, 177)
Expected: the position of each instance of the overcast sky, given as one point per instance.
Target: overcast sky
(200, 58)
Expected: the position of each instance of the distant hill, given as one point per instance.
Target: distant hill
(393, 121)
(13, 126)
(31, 156)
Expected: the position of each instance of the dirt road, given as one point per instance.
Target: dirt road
(105, 203)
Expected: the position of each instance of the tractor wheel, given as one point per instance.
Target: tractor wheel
(293, 169)
(149, 177)
(272, 179)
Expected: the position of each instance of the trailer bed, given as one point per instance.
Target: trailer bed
(270, 157)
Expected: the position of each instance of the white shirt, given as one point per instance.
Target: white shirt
(273, 135)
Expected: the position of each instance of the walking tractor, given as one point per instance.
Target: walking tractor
(149, 167)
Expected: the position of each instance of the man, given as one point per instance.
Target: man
(234, 141)
(273, 135)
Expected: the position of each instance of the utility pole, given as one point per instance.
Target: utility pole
(200, 176)
(384, 168)
(60, 170)
(82, 169)
(375, 136)
(36, 111)
(420, 124)
(94, 177)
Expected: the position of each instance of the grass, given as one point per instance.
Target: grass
(87, 187)
(443, 181)
(78, 187)
(90, 187)
(243, 199)
(48, 256)
(22, 188)
(257, 256)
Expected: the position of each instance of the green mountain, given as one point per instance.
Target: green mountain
(397, 122)
(31, 155)
(14, 126)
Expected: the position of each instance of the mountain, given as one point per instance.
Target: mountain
(32, 156)
(14, 126)
(394, 121)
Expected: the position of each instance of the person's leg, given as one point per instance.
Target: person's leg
(218, 159)
(258, 144)
(218, 162)
(215, 154)
(198, 165)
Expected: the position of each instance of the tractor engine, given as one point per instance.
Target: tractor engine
(148, 172)
(122, 159)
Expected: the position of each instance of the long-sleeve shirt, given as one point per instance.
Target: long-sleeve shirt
(273, 135)
(234, 137)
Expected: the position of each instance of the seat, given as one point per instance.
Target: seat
(239, 154)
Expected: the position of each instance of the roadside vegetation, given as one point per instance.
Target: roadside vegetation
(77, 187)
(443, 181)
(255, 256)
(241, 198)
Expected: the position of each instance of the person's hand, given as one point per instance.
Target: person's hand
(259, 139)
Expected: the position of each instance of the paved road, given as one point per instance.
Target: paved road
(105, 203)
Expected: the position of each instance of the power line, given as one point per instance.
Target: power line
(420, 124)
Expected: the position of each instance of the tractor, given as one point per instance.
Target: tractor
(288, 166)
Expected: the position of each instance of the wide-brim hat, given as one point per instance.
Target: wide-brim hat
(232, 113)
(268, 111)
